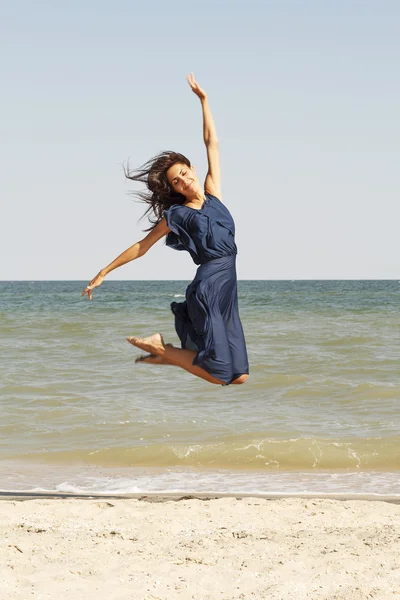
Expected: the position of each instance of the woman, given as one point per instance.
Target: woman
(193, 219)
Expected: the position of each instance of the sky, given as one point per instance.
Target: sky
(305, 96)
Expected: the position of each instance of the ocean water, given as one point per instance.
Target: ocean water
(320, 412)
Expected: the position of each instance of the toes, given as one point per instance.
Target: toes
(144, 358)
(151, 359)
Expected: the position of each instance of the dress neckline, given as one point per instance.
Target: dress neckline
(197, 209)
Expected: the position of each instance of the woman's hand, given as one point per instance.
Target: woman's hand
(98, 280)
(195, 87)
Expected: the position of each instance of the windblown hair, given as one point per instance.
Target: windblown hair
(159, 195)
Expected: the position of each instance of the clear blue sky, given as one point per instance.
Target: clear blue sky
(306, 100)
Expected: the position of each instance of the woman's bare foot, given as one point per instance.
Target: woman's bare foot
(154, 344)
(152, 359)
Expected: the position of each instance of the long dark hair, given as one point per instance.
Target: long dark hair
(159, 195)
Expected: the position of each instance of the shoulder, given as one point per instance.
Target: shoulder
(213, 198)
(219, 210)
(175, 215)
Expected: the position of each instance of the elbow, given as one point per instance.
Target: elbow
(144, 246)
(211, 142)
(141, 249)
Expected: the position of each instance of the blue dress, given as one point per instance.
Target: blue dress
(208, 321)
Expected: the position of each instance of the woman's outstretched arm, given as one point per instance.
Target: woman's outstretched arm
(212, 183)
(135, 251)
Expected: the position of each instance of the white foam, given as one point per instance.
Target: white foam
(96, 480)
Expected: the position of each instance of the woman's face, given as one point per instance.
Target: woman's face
(183, 179)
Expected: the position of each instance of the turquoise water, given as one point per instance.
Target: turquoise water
(320, 411)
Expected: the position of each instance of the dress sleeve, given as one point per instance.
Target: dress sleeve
(179, 219)
(174, 218)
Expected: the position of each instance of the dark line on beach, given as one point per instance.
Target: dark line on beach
(176, 497)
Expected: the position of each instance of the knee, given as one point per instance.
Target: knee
(241, 379)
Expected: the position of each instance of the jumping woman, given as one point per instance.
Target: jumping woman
(194, 219)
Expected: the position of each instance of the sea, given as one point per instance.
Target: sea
(319, 414)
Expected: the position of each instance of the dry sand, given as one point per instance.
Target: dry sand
(225, 549)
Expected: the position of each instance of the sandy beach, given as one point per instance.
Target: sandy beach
(226, 548)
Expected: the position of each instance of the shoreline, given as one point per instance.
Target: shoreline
(159, 497)
(24, 479)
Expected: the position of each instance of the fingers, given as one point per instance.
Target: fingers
(195, 86)
(88, 291)
(191, 80)
(93, 284)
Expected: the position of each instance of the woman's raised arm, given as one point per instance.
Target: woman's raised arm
(212, 183)
(135, 251)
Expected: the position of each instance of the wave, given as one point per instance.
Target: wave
(252, 453)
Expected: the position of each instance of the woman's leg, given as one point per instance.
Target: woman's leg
(241, 379)
(153, 359)
(154, 344)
